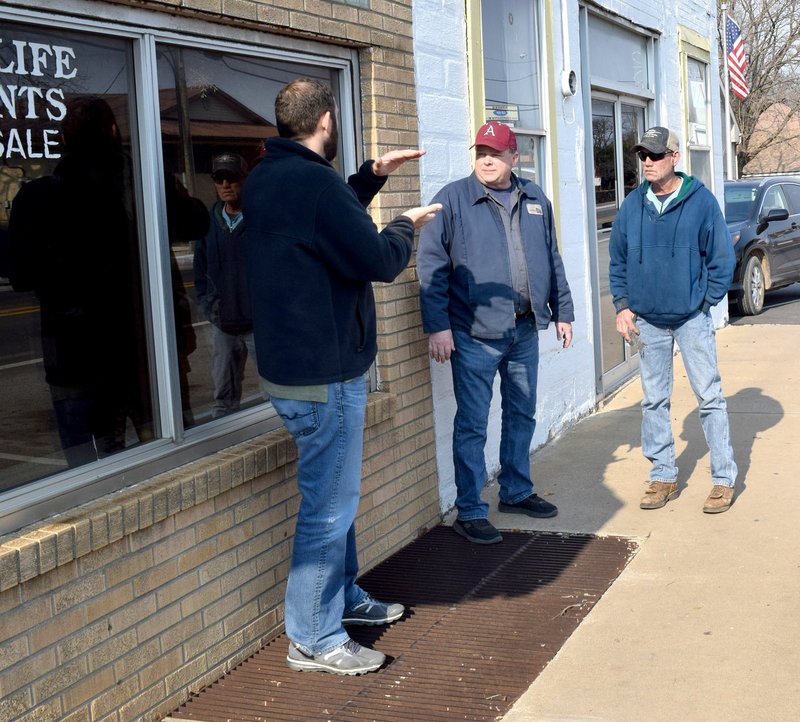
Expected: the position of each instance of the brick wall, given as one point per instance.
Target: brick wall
(121, 608)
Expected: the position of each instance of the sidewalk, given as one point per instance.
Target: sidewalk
(703, 623)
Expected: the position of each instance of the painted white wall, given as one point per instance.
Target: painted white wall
(566, 377)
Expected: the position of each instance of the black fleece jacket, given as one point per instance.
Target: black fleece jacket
(312, 250)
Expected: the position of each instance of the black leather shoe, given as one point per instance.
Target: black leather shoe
(534, 505)
(478, 531)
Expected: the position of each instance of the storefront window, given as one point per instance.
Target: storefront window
(216, 111)
(74, 348)
(512, 82)
(93, 204)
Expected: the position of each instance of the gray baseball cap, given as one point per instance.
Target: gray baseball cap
(231, 162)
(658, 140)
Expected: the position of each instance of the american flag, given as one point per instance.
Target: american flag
(737, 62)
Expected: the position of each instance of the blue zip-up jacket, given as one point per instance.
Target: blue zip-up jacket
(666, 267)
(312, 250)
(463, 262)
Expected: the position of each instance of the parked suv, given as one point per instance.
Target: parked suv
(763, 216)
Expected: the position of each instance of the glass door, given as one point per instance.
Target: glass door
(617, 126)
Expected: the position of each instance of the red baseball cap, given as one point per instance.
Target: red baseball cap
(496, 135)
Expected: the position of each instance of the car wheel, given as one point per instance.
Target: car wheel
(751, 302)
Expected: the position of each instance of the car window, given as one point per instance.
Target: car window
(739, 200)
(792, 191)
(773, 199)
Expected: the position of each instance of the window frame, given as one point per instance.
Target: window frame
(175, 446)
(695, 48)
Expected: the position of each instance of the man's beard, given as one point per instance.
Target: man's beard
(331, 146)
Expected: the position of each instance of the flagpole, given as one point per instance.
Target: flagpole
(726, 86)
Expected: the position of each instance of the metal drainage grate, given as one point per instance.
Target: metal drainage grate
(482, 622)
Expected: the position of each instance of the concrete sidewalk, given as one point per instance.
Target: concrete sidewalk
(703, 623)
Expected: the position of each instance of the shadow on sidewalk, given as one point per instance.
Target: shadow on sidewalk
(750, 413)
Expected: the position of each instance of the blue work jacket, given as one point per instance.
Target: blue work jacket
(464, 267)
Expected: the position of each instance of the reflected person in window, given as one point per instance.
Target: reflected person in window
(312, 253)
(221, 283)
(74, 243)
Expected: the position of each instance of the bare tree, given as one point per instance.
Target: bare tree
(769, 117)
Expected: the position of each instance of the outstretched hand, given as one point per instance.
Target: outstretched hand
(422, 214)
(391, 161)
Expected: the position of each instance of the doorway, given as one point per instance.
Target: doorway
(617, 125)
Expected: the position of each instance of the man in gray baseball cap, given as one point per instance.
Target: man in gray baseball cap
(221, 284)
(672, 260)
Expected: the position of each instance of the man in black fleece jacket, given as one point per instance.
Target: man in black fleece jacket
(312, 252)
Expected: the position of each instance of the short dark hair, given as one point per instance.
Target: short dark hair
(90, 124)
(299, 106)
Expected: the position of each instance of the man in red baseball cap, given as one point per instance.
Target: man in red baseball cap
(491, 278)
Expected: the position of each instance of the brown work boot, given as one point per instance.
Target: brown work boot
(658, 494)
(720, 499)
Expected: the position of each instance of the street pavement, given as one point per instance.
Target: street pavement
(703, 622)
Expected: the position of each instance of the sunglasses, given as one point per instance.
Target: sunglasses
(223, 176)
(645, 154)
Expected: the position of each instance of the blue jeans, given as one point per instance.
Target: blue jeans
(321, 587)
(227, 370)
(475, 362)
(696, 339)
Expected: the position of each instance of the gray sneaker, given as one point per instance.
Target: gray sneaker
(371, 611)
(350, 658)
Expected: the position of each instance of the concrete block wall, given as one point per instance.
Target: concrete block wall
(121, 608)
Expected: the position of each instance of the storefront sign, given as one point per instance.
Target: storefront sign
(31, 103)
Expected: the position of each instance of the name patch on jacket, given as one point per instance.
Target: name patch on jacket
(534, 209)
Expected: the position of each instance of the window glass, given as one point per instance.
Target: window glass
(511, 65)
(529, 163)
(792, 190)
(698, 103)
(74, 347)
(773, 199)
(698, 141)
(216, 111)
(739, 200)
(618, 55)
(604, 151)
(700, 165)
(632, 129)
(79, 339)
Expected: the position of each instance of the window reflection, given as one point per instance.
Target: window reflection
(74, 349)
(528, 158)
(216, 110)
(632, 130)
(78, 339)
(510, 62)
(604, 148)
(698, 141)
